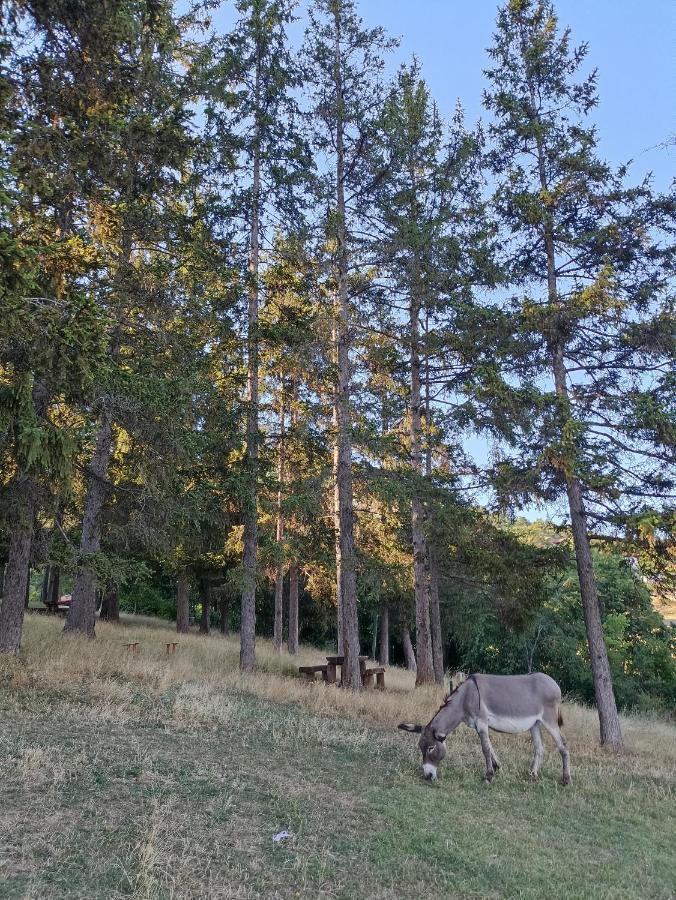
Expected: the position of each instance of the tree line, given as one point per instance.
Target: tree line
(256, 301)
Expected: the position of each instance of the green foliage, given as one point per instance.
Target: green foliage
(552, 637)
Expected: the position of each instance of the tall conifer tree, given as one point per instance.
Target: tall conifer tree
(580, 245)
(344, 61)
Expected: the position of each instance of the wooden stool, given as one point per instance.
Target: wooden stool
(132, 648)
(171, 646)
(367, 677)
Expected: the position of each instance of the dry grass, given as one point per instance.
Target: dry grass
(161, 776)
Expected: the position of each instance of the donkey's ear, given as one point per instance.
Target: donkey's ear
(440, 736)
(407, 726)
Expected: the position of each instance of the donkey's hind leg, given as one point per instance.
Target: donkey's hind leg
(550, 721)
(538, 750)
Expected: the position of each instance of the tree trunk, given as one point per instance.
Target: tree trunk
(348, 559)
(435, 620)
(182, 604)
(609, 721)
(340, 637)
(81, 618)
(54, 589)
(433, 568)
(384, 646)
(247, 653)
(205, 624)
(293, 608)
(425, 670)
(17, 570)
(408, 650)
(44, 590)
(110, 605)
(278, 627)
(225, 616)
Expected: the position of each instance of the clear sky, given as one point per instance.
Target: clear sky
(631, 43)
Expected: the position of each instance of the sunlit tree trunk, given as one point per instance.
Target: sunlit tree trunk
(278, 626)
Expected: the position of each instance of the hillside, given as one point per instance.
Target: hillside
(158, 776)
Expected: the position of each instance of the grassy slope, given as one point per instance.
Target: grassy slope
(166, 776)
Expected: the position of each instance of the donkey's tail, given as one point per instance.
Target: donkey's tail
(560, 719)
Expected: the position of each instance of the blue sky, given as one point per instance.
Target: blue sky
(632, 44)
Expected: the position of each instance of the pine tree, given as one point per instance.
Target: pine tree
(45, 266)
(344, 62)
(431, 228)
(579, 243)
(252, 119)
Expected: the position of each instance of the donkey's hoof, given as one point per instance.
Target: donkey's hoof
(489, 776)
(566, 780)
(533, 776)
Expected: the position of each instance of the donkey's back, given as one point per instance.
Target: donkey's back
(522, 696)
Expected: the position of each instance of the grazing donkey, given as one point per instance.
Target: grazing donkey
(508, 703)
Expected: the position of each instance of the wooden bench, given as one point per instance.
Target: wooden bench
(310, 671)
(367, 678)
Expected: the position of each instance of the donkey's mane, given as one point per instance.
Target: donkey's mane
(447, 699)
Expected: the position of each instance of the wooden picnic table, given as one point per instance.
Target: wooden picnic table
(328, 672)
(334, 661)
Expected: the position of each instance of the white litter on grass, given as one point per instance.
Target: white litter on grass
(281, 836)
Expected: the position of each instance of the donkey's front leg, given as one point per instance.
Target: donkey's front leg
(488, 752)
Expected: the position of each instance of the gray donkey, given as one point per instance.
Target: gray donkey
(508, 703)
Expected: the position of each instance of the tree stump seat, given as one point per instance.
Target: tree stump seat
(368, 675)
(310, 671)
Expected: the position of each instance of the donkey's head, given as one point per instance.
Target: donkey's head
(431, 745)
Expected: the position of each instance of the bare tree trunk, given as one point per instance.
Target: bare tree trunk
(110, 605)
(384, 647)
(205, 623)
(81, 618)
(182, 603)
(293, 608)
(278, 627)
(225, 616)
(18, 562)
(409, 655)
(247, 653)
(348, 558)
